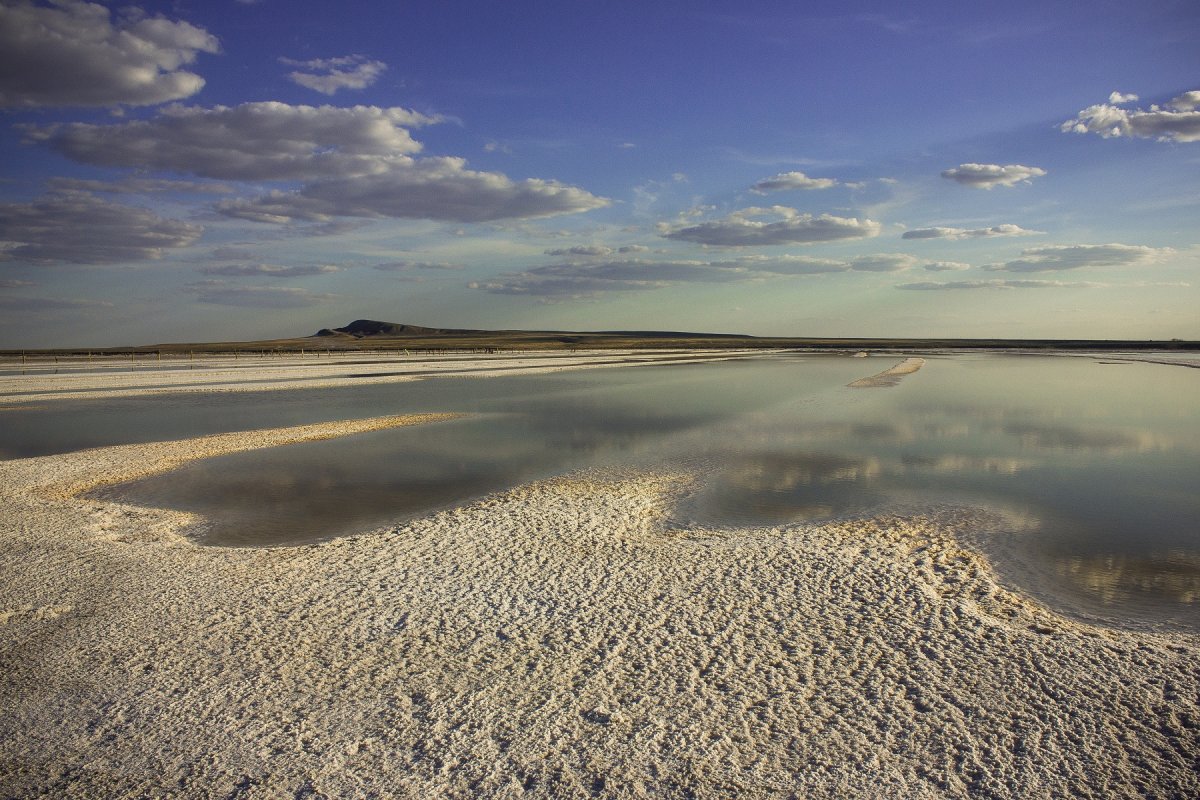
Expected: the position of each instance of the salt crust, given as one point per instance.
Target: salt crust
(113, 378)
(561, 639)
(890, 376)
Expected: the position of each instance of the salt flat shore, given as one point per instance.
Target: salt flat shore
(55, 379)
(890, 376)
(561, 639)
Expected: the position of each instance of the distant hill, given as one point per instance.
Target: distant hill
(377, 336)
(370, 327)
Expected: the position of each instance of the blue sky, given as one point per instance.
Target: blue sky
(234, 170)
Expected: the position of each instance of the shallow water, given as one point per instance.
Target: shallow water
(1095, 466)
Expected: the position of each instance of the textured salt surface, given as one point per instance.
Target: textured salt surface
(557, 640)
(294, 372)
(890, 376)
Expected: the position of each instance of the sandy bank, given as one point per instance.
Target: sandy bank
(891, 376)
(561, 639)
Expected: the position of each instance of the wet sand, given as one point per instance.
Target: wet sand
(564, 638)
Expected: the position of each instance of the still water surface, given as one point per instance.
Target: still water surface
(1097, 466)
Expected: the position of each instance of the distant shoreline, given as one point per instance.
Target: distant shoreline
(535, 341)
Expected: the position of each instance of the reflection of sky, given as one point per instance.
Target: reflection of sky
(1106, 461)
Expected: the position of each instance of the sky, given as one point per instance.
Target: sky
(235, 170)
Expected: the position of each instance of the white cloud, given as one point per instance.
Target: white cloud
(334, 227)
(358, 160)
(82, 229)
(72, 54)
(786, 181)
(968, 233)
(137, 186)
(986, 176)
(644, 271)
(430, 188)
(328, 75)
(269, 270)
(37, 304)
(783, 226)
(585, 251)
(249, 142)
(883, 262)
(806, 265)
(1064, 257)
(1001, 284)
(1186, 101)
(586, 280)
(1116, 98)
(946, 266)
(590, 278)
(793, 265)
(232, 254)
(1179, 121)
(218, 292)
(405, 266)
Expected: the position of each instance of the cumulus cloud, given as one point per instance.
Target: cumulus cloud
(358, 161)
(584, 250)
(595, 250)
(405, 266)
(806, 265)
(270, 270)
(590, 278)
(793, 265)
(522, 285)
(1178, 121)
(430, 188)
(968, 233)
(83, 229)
(1188, 101)
(219, 292)
(1064, 257)
(248, 142)
(228, 253)
(946, 266)
(1000, 284)
(782, 225)
(786, 181)
(137, 186)
(36, 304)
(583, 280)
(73, 53)
(334, 227)
(883, 262)
(986, 176)
(328, 75)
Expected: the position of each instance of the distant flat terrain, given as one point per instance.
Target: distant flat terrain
(376, 335)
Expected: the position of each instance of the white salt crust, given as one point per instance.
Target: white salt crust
(561, 639)
(112, 377)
